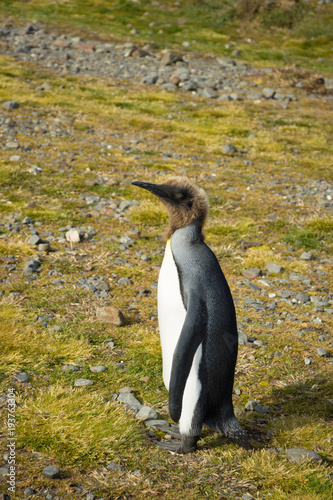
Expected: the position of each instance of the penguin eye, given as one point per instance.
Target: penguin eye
(179, 196)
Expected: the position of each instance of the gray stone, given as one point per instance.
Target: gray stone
(273, 268)
(189, 86)
(302, 297)
(307, 361)
(157, 424)
(130, 401)
(51, 472)
(97, 369)
(251, 405)
(209, 93)
(21, 377)
(150, 79)
(251, 273)
(146, 413)
(70, 368)
(35, 240)
(125, 390)
(258, 343)
(83, 382)
(229, 148)
(12, 145)
(242, 337)
(31, 266)
(321, 351)
(90, 496)
(247, 496)
(115, 467)
(268, 93)
(4, 471)
(300, 455)
(307, 256)
(261, 409)
(10, 105)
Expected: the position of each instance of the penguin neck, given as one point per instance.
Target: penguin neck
(192, 233)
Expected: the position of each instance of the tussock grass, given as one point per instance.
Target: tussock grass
(25, 346)
(60, 415)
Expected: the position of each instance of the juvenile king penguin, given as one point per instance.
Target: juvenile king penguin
(197, 320)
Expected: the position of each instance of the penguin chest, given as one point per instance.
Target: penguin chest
(171, 311)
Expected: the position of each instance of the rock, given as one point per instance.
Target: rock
(73, 236)
(229, 148)
(125, 390)
(321, 351)
(10, 105)
(70, 368)
(273, 268)
(21, 377)
(97, 369)
(116, 467)
(242, 337)
(35, 240)
(130, 401)
(83, 382)
(268, 93)
(90, 496)
(51, 472)
(261, 409)
(302, 297)
(4, 471)
(307, 361)
(44, 247)
(12, 145)
(35, 170)
(247, 496)
(146, 413)
(307, 256)
(31, 266)
(209, 93)
(44, 86)
(157, 424)
(300, 455)
(251, 273)
(150, 79)
(111, 315)
(168, 58)
(251, 405)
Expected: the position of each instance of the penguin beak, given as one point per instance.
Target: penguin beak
(157, 189)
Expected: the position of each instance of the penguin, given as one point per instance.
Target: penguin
(197, 320)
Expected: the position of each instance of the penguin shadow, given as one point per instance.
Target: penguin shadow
(309, 397)
(211, 440)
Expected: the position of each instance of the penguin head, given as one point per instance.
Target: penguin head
(185, 202)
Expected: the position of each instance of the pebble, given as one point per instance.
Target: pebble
(300, 455)
(130, 401)
(111, 315)
(82, 382)
(51, 472)
(307, 256)
(146, 413)
(321, 351)
(115, 467)
(31, 267)
(302, 297)
(229, 148)
(4, 471)
(251, 273)
(97, 369)
(307, 361)
(73, 236)
(10, 105)
(273, 268)
(21, 377)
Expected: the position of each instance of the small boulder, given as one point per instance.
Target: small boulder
(300, 455)
(111, 315)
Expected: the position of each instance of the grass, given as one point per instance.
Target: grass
(82, 429)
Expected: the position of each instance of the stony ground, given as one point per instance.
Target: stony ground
(81, 119)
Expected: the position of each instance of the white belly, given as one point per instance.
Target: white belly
(171, 317)
(171, 311)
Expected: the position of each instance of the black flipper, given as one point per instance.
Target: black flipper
(190, 338)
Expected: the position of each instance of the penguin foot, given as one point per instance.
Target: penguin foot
(188, 444)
